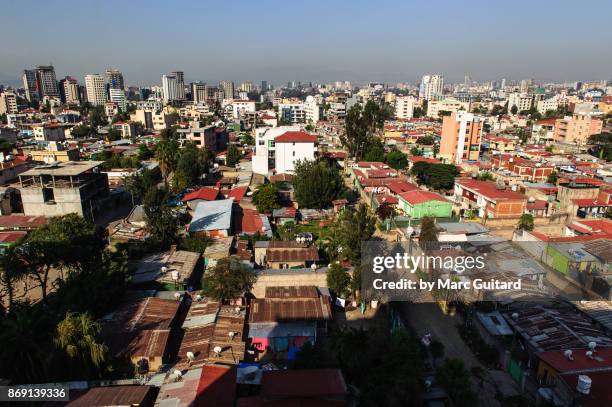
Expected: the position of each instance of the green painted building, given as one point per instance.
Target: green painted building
(418, 204)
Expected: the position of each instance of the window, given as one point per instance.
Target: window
(48, 195)
(294, 153)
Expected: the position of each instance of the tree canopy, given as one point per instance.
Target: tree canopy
(161, 222)
(266, 198)
(397, 160)
(436, 176)
(362, 123)
(191, 164)
(350, 228)
(227, 280)
(316, 184)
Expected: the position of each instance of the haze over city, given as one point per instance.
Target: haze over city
(396, 41)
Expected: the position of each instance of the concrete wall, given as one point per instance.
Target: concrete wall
(67, 200)
(318, 279)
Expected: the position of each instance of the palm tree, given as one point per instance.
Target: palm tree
(76, 336)
(166, 154)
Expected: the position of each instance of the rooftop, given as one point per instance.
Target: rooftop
(212, 215)
(68, 168)
(273, 310)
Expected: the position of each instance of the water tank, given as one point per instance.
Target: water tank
(584, 384)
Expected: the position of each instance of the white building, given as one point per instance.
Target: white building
(522, 101)
(292, 146)
(118, 96)
(549, 104)
(198, 92)
(431, 87)
(265, 146)
(404, 107)
(434, 107)
(69, 89)
(292, 111)
(96, 89)
(313, 110)
(170, 88)
(238, 107)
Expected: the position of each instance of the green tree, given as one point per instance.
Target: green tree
(113, 135)
(425, 140)
(82, 131)
(338, 280)
(167, 153)
(416, 152)
(316, 184)
(161, 222)
(196, 244)
(351, 228)
(526, 222)
(436, 176)
(266, 198)
(229, 279)
(428, 237)
(375, 151)
(233, 156)
(97, 117)
(552, 178)
(192, 163)
(362, 123)
(397, 160)
(76, 337)
(455, 379)
(140, 182)
(514, 109)
(486, 176)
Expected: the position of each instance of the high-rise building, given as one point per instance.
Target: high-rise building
(503, 83)
(461, 134)
(69, 90)
(431, 87)
(404, 107)
(118, 96)
(114, 79)
(96, 89)
(30, 84)
(228, 89)
(198, 92)
(246, 86)
(213, 95)
(169, 88)
(47, 83)
(8, 103)
(180, 84)
(525, 85)
(264, 86)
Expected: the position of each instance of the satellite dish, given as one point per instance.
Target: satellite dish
(217, 350)
(568, 354)
(313, 266)
(190, 356)
(515, 315)
(164, 269)
(177, 295)
(198, 297)
(592, 345)
(231, 334)
(175, 275)
(589, 354)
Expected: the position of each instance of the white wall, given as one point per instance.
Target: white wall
(288, 153)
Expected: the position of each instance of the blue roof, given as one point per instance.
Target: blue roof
(212, 215)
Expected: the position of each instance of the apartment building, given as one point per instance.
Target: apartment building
(292, 146)
(69, 91)
(96, 89)
(198, 92)
(114, 79)
(48, 132)
(404, 107)
(461, 134)
(434, 107)
(8, 103)
(227, 87)
(239, 108)
(46, 81)
(577, 128)
(292, 111)
(118, 96)
(313, 110)
(265, 147)
(522, 101)
(431, 87)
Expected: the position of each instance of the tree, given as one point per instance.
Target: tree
(351, 228)
(144, 153)
(233, 156)
(416, 152)
(526, 222)
(486, 176)
(375, 151)
(316, 184)
(425, 140)
(113, 135)
(338, 280)
(229, 279)
(397, 160)
(428, 236)
(436, 176)
(552, 178)
(140, 182)
(455, 379)
(385, 211)
(196, 244)
(514, 109)
(167, 152)
(82, 131)
(76, 337)
(161, 223)
(97, 117)
(362, 122)
(191, 164)
(266, 198)
(602, 145)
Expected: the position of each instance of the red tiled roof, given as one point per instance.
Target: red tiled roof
(557, 360)
(601, 391)
(537, 204)
(204, 193)
(217, 387)
(489, 190)
(398, 187)
(589, 202)
(418, 197)
(248, 221)
(295, 137)
(22, 222)
(238, 193)
(420, 159)
(389, 199)
(323, 383)
(11, 237)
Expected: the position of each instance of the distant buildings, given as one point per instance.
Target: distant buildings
(577, 128)
(522, 101)
(96, 89)
(431, 87)
(292, 111)
(227, 87)
(8, 103)
(47, 83)
(448, 105)
(280, 147)
(485, 199)
(461, 134)
(173, 87)
(118, 96)
(198, 92)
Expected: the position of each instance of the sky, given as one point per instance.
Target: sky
(318, 41)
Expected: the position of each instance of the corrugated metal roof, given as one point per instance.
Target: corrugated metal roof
(212, 215)
(278, 310)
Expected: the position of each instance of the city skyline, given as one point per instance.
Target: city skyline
(320, 43)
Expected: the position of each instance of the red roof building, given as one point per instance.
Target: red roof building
(295, 137)
(204, 194)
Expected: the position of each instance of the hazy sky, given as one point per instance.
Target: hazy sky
(310, 40)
